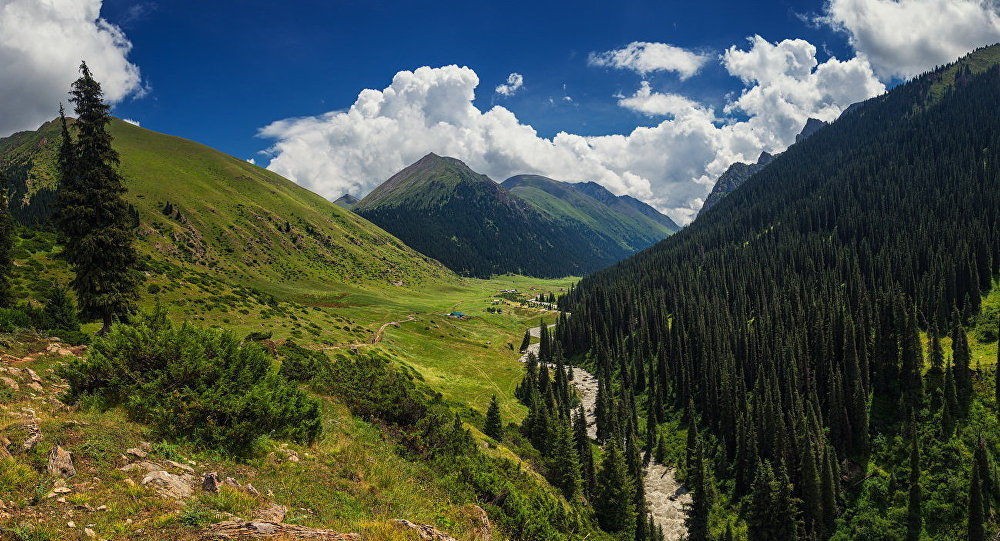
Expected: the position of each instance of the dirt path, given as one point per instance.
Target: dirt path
(665, 494)
(376, 338)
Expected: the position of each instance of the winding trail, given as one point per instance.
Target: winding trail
(666, 496)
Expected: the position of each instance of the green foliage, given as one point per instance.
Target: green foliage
(193, 384)
(493, 427)
(94, 219)
(6, 249)
(299, 363)
(613, 506)
(12, 319)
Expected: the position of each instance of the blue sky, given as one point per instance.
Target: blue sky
(220, 73)
(651, 99)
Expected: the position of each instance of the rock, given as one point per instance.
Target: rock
(71, 524)
(61, 462)
(143, 465)
(253, 491)
(34, 377)
(35, 386)
(62, 490)
(168, 485)
(425, 532)
(136, 452)
(261, 529)
(180, 466)
(145, 446)
(89, 533)
(482, 528)
(233, 483)
(274, 513)
(210, 483)
(10, 383)
(101, 508)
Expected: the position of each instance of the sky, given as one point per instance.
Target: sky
(652, 99)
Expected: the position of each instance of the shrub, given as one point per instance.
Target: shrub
(299, 363)
(193, 384)
(12, 319)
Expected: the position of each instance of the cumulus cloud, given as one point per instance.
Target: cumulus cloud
(671, 165)
(645, 57)
(514, 83)
(41, 45)
(132, 122)
(651, 103)
(905, 38)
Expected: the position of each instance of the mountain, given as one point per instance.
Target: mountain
(794, 318)
(739, 172)
(476, 227)
(346, 201)
(614, 223)
(733, 178)
(628, 205)
(211, 211)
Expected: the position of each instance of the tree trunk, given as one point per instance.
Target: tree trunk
(107, 325)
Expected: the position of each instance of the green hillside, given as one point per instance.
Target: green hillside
(444, 209)
(623, 232)
(213, 212)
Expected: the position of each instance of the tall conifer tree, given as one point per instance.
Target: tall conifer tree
(94, 219)
(493, 426)
(6, 249)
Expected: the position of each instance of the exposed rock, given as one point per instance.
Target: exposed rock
(34, 377)
(61, 462)
(233, 483)
(135, 451)
(260, 529)
(483, 527)
(10, 383)
(168, 485)
(252, 490)
(426, 533)
(274, 513)
(35, 386)
(89, 533)
(180, 466)
(210, 483)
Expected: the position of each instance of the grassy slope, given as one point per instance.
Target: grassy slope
(563, 203)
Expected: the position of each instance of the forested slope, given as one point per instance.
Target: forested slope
(794, 318)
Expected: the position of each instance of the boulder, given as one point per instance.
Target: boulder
(274, 513)
(168, 485)
(262, 529)
(61, 462)
(10, 383)
(425, 532)
(136, 452)
(210, 482)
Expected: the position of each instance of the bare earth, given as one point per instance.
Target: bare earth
(666, 496)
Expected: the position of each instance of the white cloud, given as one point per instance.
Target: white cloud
(905, 38)
(132, 122)
(514, 83)
(645, 57)
(651, 103)
(251, 161)
(41, 45)
(671, 165)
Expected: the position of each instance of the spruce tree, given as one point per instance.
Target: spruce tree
(59, 312)
(94, 219)
(810, 487)
(914, 515)
(583, 450)
(696, 521)
(949, 409)
(962, 358)
(982, 463)
(976, 514)
(526, 341)
(564, 465)
(493, 427)
(613, 504)
(6, 249)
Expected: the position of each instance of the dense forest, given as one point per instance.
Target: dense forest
(810, 332)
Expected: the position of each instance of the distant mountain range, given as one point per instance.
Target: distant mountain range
(739, 172)
(346, 201)
(530, 224)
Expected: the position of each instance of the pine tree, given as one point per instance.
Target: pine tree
(961, 358)
(982, 464)
(830, 490)
(975, 529)
(809, 485)
(613, 504)
(949, 409)
(696, 521)
(94, 219)
(583, 450)
(59, 312)
(526, 341)
(493, 427)
(914, 515)
(6, 247)
(564, 465)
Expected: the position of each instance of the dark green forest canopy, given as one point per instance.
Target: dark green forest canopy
(791, 314)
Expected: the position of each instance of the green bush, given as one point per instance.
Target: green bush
(12, 319)
(193, 384)
(299, 363)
